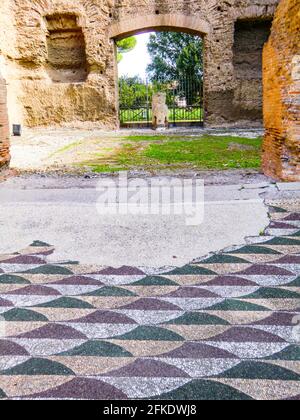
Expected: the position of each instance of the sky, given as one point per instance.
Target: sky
(135, 62)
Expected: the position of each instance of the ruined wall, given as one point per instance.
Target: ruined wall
(8, 59)
(4, 131)
(249, 40)
(281, 151)
(66, 47)
(62, 67)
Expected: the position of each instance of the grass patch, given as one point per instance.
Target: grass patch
(173, 152)
(146, 138)
(65, 148)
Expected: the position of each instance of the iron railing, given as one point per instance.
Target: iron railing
(184, 100)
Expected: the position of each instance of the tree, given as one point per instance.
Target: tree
(134, 92)
(125, 45)
(178, 57)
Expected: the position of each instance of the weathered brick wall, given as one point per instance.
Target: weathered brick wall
(281, 151)
(4, 130)
(85, 92)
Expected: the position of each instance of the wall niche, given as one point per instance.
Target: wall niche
(249, 39)
(66, 49)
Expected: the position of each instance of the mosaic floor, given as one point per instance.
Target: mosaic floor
(224, 327)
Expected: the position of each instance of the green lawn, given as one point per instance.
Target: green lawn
(178, 152)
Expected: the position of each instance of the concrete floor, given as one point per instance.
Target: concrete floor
(67, 218)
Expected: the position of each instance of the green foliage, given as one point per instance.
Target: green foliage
(176, 68)
(134, 93)
(178, 56)
(209, 152)
(175, 55)
(156, 153)
(125, 45)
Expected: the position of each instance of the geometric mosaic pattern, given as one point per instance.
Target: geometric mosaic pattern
(223, 327)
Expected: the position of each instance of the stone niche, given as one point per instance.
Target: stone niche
(66, 49)
(249, 39)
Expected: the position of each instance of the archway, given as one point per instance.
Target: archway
(184, 94)
(174, 22)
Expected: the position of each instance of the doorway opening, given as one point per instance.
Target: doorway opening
(161, 62)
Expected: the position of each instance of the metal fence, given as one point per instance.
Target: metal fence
(184, 100)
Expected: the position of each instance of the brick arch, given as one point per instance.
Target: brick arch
(176, 22)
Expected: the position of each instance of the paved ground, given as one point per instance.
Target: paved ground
(64, 214)
(224, 327)
(144, 314)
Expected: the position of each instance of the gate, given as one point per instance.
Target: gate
(184, 100)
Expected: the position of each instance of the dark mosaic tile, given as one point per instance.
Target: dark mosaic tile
(202, 390)
(9, 348)
(246, 334)
(198, 318)
(11, 279)
(98, 348)
(23, 315)
(110, 291)
(259, 370)
(55, 332)
(149, 368)
(105, 317)
(149, 304)
(122, 271)
(49, 269)
(66, 302)
(83, 389)
(39, 367)
(199, 351)
(151, 333)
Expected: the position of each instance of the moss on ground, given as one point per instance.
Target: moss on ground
(177, 152)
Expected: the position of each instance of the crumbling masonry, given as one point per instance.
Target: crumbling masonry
(281, 155)
(58, 58)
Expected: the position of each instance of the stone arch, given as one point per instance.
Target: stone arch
(157, 22)
(176, 22)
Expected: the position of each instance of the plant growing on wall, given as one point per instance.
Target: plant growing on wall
(125, 46)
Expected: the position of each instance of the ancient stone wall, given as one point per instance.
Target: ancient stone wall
(281, 154)
(4, 130)
(61, 66)
(249, 40)
(66, 50)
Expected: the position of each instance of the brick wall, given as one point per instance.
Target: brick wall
(281, 151)
(4, 130)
